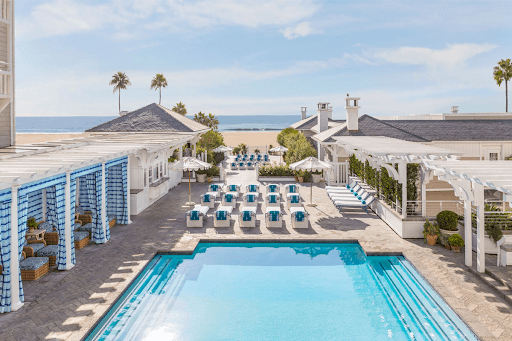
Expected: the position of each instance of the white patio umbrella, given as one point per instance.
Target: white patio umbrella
(190, 164)
(222, 149)
(279, 149)
(311, 164)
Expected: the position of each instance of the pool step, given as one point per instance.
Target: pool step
(422, 312)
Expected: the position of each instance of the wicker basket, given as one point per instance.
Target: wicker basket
(32, 275)
(81, 243)
(112, 223)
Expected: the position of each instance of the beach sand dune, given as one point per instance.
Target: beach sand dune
(231, 138)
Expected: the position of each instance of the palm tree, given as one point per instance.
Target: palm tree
(120, 81)
(159, 82)
(180, 108)
(503, 72)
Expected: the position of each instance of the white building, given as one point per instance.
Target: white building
(7, 116)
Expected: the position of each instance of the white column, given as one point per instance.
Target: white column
(423, 199)
(194, 151)
(44, 204)
(221, 172)
(180, 152)
(402, 171)
(468, 233)
(15, 267)
(103, 200)
(478, 191)
(128, 203)
(67, 217)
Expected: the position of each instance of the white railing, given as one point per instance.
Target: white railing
(433, 207)
(339, 174)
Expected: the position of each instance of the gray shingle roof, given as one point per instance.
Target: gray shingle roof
(151, 118)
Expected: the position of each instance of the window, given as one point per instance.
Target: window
(161, 171)
(150, 176)
(144, 178)
(493, 156)
(156, 173)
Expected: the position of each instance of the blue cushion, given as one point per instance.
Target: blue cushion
(50, 250)
(215, 188)
(86, 227)
(363, 202)
(272, 199)
(33, 263)
(250, 197)
(299, 216)
(292, 188)
(348, 186)
(35, 247)
(241, 164)
(233, 164)
(81, 236)
(194, 215)
(46, 226)
(273, 215)
(253, 188)
(222, 215)
(228, 197)
(206, 197)
(247, 216)
(79, 210)
(77, 226)
(272, 188)
(294, 199)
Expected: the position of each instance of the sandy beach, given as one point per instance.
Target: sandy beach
(252, 139)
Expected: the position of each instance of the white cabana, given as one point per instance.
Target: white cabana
(468, 179)
(190, 164)
(311, 164)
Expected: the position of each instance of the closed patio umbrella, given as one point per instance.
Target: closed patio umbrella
(311, 164)
(279, 149)
(190, 164)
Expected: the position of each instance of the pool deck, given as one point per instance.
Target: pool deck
(64, 305)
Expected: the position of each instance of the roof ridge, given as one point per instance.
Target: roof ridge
(390, 125)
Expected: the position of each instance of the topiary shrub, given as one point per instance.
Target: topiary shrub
(447, 220)
(456, 240)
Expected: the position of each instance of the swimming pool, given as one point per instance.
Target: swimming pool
(280, 292)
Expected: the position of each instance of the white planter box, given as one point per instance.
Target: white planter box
(316, 178)
(277, 178)
(201, 177)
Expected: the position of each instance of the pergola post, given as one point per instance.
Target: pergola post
(402, 172)
(468, 234)
(15, 262)
(67, 219)
(128, 201)
(43, 204)
(478, 191)
(180, 152)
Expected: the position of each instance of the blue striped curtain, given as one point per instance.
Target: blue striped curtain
(22, 229)
(107, 226)
(83, 201)
(97, 232)
(117, 204)
(60, 207)
(51, 206)
(5, 254)
(123, 204)
(72, 217)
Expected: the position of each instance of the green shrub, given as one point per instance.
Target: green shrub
(211, 140)
(281, 137)
(275, 170)
(430, 229)
(299, 148)
(236, 150)
(32, 223)
(213, 171)
(201, 171)
(448, 220)
(456, 240)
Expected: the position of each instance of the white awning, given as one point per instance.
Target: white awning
(26, 163)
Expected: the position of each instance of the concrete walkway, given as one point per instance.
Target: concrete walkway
(64, 305)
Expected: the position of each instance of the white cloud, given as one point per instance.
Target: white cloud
(301, 30)
(127, 18)
(454, 55)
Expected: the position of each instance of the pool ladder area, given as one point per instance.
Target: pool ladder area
(145, 296)
(422, 312)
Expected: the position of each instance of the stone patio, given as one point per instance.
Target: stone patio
(65, 305)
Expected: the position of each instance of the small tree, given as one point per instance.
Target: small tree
(299, 148)
(503, 72)
(180, 109)
(159, 82)
(211, 140)
(209, 121)
(281, 137)
(120, 81)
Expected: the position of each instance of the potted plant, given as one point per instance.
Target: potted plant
(201, 175)
(31, 224)
(448, 223)
(430, 232)
(443, 239)
(456, 242)
(256, 151)
(317, 175)
(211, 172)
(300, 176)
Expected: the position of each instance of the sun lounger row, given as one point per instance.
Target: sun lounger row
(253, 188)
(249, 199)
(252, 157)
(352, 195)
(247, 216)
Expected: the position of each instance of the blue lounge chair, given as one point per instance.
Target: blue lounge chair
(355, 204)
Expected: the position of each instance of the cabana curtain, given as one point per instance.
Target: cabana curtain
(117, 184)
(22, 229)
(98, 236)
(5, 256)
(60, 209)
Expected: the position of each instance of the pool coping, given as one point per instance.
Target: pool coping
(271, 241)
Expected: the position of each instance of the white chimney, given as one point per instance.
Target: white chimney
(303, 113)
(454, 109)
(323, 116)
(352, 108)
(330, 113)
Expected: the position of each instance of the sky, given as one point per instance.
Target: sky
(267, 57)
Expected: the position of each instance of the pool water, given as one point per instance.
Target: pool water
(280, 292)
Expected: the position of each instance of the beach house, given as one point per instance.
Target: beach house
(7, 116)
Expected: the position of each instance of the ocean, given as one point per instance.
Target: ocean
(78, 124)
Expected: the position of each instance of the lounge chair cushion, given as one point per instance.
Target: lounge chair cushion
(77, 226)
(194, 215)
(228, 197)
(233, 188)
(36, 247)
(79, 210)
(299, 216)
(294, 199)
(214, 188)
(253, 188)
(86, 227)
(80, 235)
(221, 215)
(250, 197)
(46, 226)
(247, 216)
(33, 263)
(292, 189)
(272, 199)
(206, 197)
(48, 251)
(272, 188)
(273, 215)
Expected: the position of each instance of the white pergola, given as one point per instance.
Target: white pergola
(468, 179)
(386, 152)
